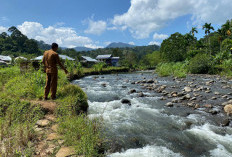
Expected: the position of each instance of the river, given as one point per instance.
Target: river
(147, 128)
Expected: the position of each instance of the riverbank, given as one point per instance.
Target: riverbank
(23, 117)
(91, 71)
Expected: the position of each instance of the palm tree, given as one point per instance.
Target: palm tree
(220, 37)
(193, 31)
(207, 27)
(227, 28)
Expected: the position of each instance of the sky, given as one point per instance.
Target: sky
(97, 23)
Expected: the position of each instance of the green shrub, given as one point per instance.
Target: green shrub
(72, 99)
(200, 64)
(99, 66)
(227, 45)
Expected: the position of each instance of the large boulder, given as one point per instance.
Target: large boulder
(228, 109)
(126, 101)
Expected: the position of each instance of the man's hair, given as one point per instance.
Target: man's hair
(54, 45)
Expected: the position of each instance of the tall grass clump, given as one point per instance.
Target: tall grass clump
(178, 69)
(7, 73)
(82, 133)
(17, 119)
(77, 129)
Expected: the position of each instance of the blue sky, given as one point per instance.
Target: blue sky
(96, 23)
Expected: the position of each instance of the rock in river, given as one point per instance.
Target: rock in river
(132, 91)
(187, 89)
(126, 101)
(169, 104)
(228, 109)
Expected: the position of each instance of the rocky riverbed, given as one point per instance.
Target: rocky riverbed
(207, 93)
(146, 115)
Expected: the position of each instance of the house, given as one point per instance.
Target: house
(36, 64)
(88, 61)
(3, 64)
(108, 59)
(6, 59)
(63, 57)
(104, 58)
(114, 61)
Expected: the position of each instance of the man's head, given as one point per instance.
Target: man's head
(54, 46)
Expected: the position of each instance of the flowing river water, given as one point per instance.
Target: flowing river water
(147, 128)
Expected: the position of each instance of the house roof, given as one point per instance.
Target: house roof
(104, 56)
(115, 57)
(2, 62)
(89, 59)
(64, 57)
(20, 57)
(5, 58)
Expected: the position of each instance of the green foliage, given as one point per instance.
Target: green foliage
(192, 53)
(200, 64)
(227, 45)
(82, 133)
(72, 99)
(7, 73)
(80, 70)
(152, 59)
(99, 66)
(17, 43)
(17, 119)
(174, 48)
(178, 69)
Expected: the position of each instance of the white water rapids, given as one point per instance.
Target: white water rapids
(147, 128)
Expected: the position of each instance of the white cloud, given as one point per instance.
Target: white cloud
(154, 43)
(107, 43)
(96, 27)
(93, 46)
(64, 36)
(131, 43)
(112, 28)
(3, 29)
(160, 36)
(146, 16)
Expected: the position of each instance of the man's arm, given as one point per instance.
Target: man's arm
(60, 64)
(43, 61)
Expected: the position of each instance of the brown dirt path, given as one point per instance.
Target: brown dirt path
(49, 142)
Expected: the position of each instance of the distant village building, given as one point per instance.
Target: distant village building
(63, 57)
(36, 61)
(108, 59)
(6, 59)
(115, 61)
(88, 61)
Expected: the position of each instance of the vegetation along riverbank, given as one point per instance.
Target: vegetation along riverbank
(31, 127)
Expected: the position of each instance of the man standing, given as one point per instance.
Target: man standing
(50, 61)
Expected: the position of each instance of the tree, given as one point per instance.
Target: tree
(220, 38)
(207, 27)
(174, 48)
(193, 31)
(227, 28)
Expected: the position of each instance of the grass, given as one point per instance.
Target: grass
(18, 117)
(178, 69)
